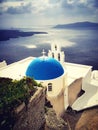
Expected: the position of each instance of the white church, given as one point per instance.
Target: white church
(57, 75)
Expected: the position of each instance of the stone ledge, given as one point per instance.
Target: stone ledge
(32, 116)
(35, 97)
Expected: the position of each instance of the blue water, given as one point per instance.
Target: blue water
(80, 46)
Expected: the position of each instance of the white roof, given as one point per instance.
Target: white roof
(88, 99)
(76, 71)
(16, 70)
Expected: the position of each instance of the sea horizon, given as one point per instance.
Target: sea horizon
(79, 46)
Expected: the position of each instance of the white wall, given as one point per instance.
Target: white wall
(87, 78)
(58, 85)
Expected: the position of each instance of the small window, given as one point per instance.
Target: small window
(55, 47)
(50, 87)
(52, 55)
(59, 56)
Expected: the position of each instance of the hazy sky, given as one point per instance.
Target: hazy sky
(29, 13)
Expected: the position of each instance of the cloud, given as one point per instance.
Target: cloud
(17, 8)
(54, 1)
(80, 7)
(80, 3)
(49, 6)
(92, 3)
(96, 3)
(66, 4)
(48, 11)
(39, 7)
(1, 1)
(22, 9)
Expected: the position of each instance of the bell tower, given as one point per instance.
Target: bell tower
(56, 53)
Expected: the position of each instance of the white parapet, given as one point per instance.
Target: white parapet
(95, 74)
(3, 64)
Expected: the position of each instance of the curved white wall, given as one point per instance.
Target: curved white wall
(58, 84)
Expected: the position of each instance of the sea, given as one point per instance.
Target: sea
(80, 46)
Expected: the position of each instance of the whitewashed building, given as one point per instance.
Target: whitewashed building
(56, 74)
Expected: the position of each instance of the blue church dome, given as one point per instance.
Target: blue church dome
(44, 69)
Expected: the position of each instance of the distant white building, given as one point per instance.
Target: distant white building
(56, 74)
